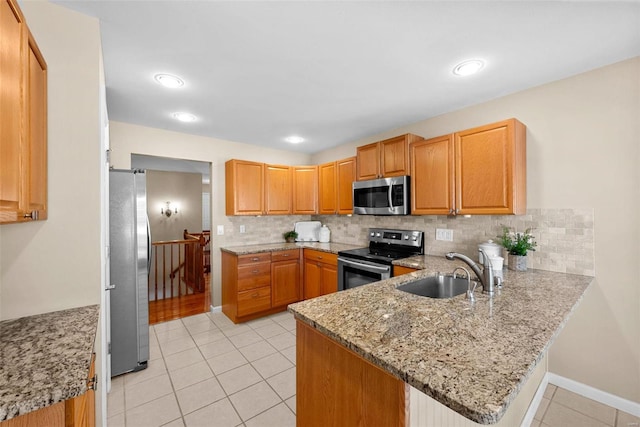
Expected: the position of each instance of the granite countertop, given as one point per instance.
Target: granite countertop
(333, 248)
(45, 359)
(473, 358)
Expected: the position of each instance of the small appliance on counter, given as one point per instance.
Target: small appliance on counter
(324, 235)
(492, 250)
(308, 231)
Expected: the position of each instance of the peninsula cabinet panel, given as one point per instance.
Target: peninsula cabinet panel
(305, 190)
(277, 189)
(244, 187)
(399, 270)
(346, 174)
(491, 169)
(336, 387)
(433, 178)
(328, 187)
(23, 110)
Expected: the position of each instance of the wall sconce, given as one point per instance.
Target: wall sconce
(168, 210)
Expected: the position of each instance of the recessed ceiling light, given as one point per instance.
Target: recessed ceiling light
(184, 117)
(294, 139)
(167, 80)
(469, 67)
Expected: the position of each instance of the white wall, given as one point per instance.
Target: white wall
(583, 151)
(127, 139)
(56, 264)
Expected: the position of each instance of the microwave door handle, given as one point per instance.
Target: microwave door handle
(363, 266)
(390, 198)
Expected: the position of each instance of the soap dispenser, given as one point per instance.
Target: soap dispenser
(324, 235)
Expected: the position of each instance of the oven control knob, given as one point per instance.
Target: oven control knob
(415, 238)
(377, 234)
(373, 234)
(406, 237)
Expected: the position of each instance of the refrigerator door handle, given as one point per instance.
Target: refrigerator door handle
(148, 247)
(110, 287)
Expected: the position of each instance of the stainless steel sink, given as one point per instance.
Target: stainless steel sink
(440, 286)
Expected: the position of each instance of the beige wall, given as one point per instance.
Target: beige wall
(127, 139)
(583, 151)
(56, 264)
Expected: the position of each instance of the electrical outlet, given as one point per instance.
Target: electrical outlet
(220, 230)
(243, 229)
(444, 234)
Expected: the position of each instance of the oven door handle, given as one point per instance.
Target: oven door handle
(364, 266)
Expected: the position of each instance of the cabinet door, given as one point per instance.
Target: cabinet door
(305, 190)
(12, 37)
(312, 278)
(244, 187)
(328, 188)
(277, 190)
(399, 270)
(346, 174)
(432, 178)
(285, 282)
(329, 281)
(37, 137)
(491, 169)
(394, 160)
(368, 161)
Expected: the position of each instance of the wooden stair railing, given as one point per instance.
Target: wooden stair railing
(177, 268)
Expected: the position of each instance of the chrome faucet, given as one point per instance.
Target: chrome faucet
(485, 275)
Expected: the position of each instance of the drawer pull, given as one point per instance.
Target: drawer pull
(255, 259)
(285, 255)
(256, 271)
(92, 384)
(255, 295)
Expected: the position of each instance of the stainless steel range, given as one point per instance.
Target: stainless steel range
(357, 267)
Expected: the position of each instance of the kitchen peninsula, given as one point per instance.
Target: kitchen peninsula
(474, 358)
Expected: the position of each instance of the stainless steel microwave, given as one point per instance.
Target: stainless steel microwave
(385, 196)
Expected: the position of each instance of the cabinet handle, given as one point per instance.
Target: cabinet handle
(256, 295)
(256, 271)
(285, 255)
(33, 215)
(255, 259)
(92, 384)
(457, 211)
(319, 257)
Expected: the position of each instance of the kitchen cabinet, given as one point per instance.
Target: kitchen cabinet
(254, 285)
(399, 270)
(320, 273)
(335, 186)
(23, 134)
(305, 190)
(244, 187)
(479, 171)
(277, 180)
(385, 158)
(335, 386)
(286, 277)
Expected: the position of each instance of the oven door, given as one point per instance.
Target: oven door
(353, 273)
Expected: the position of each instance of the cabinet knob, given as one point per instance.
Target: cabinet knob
(255, 295)
(255, 259)
(92, 384)
(33, 215)
(285, 255)
(256, 271)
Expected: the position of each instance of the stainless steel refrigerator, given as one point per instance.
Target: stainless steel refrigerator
(129, 259)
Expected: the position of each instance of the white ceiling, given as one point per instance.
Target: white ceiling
(334, 72)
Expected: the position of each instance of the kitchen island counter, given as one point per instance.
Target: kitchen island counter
(45, 359)
(473, 358)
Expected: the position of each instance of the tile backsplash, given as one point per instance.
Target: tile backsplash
(565, 236)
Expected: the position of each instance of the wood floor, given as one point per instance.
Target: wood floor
(178, 307)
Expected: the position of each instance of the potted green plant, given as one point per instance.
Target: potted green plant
(290, 236)
(517, 245)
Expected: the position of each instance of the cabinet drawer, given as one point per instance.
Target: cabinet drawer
(254, 258)
(285, 255)
(326, 257)
(254, 276)
(254, 300)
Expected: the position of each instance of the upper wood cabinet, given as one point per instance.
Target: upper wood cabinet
(23, 133)
(305, 190)
(277, 194)
(385, 158)
(244, 187)
(474, 172)
(335, 184)
(346, 174)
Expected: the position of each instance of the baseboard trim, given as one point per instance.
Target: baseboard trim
(535, 402)
(592, 393)
(217, 309)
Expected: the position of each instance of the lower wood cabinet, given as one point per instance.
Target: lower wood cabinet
(320, 273)
(77, 412)
(399, 270)
(336, 387)
(255, 285)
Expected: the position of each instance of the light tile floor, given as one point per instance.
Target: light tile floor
(206, 371)
(562, 408)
